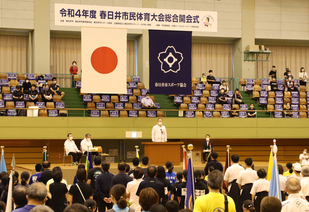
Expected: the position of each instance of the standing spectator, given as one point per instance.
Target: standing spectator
(80, 166)
(93, 174)
(159, 133)
(86, 145)
(145, 162)
(47, 95)
(132, 188)
(303, 77)
(24, 176)
(59, 192)
(224, 86)
(200, 188)
(248, 206)
(91, 205)
(170, 175)
(273, 84)
(290, 171)
(2, 206)
(36, 195)
(181, 190)
(305, 183)
(73, 71)
(119, 199)
(147, 102)
(238, 97)
(251, 111)
(214, 200)
(304, 158)
(76, 207)
(216, 164)
(148, 197)
(273, 72)
(135, 162)
(246, 179)
(33, 94)
(54, 87)
(41, 208)
(71, 149)
(81, 191)
(172, 206)
(161, 176)
(152, 182)
(208, 146)
(210, 78)
(55, 170)
(18, 94)
(19, 197)
(282, 181)
(230, 177)
(294, 202)
(288, 74)
(175, 186)
(271, 204)
(259, 189)
(222, 97)
(102, 185)
(297, 171)
(47, 173)
(5, 182)
(121, 177)
(36, 177)
(26, 86)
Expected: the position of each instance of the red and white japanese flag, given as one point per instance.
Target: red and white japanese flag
(104, 60)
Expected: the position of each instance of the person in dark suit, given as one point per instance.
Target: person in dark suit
(121, 177)
(208, 146)
(216, 164)
(47, 174)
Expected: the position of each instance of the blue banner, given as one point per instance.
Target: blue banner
(170, 62)
(190, 198)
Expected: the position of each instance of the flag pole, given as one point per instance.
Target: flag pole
(190, 148)
(275, 150)
(137, 151)
(184, 160)
(228, 154)
(2, 153)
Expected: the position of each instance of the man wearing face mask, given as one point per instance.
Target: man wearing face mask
(210, 78)
(208, 146)
(26, 86)
(86, 145)
(159, 132)
(147, 102)
(302, 77)
(54, 87)
(47, 95)
(71, 149)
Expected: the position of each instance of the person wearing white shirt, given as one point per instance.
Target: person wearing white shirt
(302, 76)
(86, 145)
(259, 189)
(230, 177)
(282, 181)
(304, 158)
(294, 203)
(71, 149)
(305, 183)
(132, 187)
(147, 102)
(159, 133)
(224, 86)
(297, 171)
(246, 179)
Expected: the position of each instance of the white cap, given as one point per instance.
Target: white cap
(297, 167)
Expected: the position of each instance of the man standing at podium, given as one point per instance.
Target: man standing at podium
(159, 132)
(208, 146)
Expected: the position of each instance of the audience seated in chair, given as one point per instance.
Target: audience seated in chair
(273, 84)
(234, 113)
(54, 87)
(147, 102)
(26, 86)
(18, 94)
(288, 111)
(211, 79)
(252, 111)
(222, 97)
(290, 85)
(238, 97)
(47, 95)
(273, 72)
(204, 79)
(33, 94)
(224, 86)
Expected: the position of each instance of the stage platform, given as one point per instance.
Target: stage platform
(69, 171)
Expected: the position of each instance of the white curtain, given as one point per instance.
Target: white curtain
(212, 56)
(292, 57)
(14, 53)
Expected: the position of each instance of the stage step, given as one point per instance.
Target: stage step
(166, 103)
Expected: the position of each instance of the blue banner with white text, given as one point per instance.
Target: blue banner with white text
(170, 62)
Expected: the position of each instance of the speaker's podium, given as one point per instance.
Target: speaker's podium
(160, 152)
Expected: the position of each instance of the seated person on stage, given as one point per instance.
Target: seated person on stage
(252, 111)
(54, 87)
(216, 164)
(18, 94)
(47, 95)
(147, 102)
(71, 149)
(273, 84)
(33, 94)
(304, 158)
(159, 133)
(290, 85)
(222, 97)
(26, 86)
(234, 113)
(224, 86)
(86, 145)
(208, 146)
(204, 79)
(273, 72)
(287, 110)
(238, 97)
(211, 79)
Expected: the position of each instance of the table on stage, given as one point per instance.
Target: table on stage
(160, 152)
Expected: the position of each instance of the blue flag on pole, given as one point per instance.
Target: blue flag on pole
(274, 189)
(89, 161)
(170, 62)
(3, 165)
(190, 196)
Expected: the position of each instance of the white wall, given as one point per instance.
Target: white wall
(17, 14)
(282, 19)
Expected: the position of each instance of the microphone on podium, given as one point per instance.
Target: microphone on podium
(161, 131)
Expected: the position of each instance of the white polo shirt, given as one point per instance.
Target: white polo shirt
(232, 172)
(295, 203)
(85, 145)
(247, 176)
(70, 146)
(304, 187)
(259, 186)
(159, 134)
(147, 101)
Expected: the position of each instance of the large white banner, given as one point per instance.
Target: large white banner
(104, 60)
(136, 18)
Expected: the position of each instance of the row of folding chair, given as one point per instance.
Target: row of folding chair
(124, 113)
(20, 76)
(9, 97)
(214, 114)
(21, 104)
(280, 94)
(114, 98)
(197, 100)
(119, 106)
(278, 107)
(42, 113)
(217, 107)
